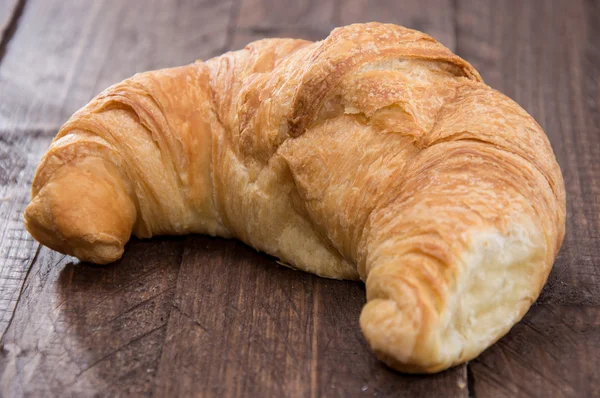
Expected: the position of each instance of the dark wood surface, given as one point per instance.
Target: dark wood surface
(201, 316)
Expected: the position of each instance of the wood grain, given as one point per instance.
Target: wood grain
(83, 330)
(552, 352)
(66, 52)
(19, 155)
(243, 326)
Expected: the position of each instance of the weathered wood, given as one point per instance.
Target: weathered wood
(19, 155)
(10, 11)
(435, 17)
(552, 352)
(546, 59)
(66, 52)
(83, 330)
(243, 326)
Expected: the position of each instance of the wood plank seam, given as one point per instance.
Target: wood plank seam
(7, 31)
(12, 315)
(470, 381)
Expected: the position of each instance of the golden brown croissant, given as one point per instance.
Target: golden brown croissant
(374, 154)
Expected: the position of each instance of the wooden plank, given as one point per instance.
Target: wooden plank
(546, 58)
(240, 325)
(82, 330)
(435, 17)
(19, 155)
(7, 9)
(235, 324)
(304, 19)
(10, 11)
(553, 352)
(49, 73)
(244, 326)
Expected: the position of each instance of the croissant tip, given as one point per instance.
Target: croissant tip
(395, 333)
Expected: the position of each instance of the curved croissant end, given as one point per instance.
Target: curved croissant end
(374, 154)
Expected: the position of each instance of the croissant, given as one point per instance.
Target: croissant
(375, 154)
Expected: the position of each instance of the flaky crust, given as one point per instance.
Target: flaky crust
(374, 154)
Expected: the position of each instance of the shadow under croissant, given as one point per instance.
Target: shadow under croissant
(191, 314)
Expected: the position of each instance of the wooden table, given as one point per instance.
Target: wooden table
(197, 315)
